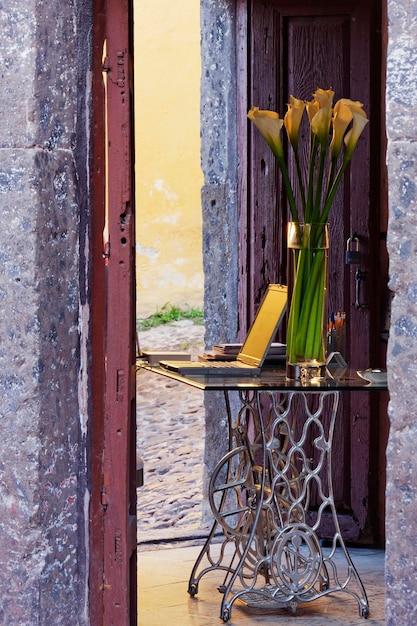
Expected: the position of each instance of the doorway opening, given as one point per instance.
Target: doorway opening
(170, 417)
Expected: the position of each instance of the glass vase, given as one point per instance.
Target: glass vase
(308, 246)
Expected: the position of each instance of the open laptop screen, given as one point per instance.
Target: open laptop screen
(264, 326)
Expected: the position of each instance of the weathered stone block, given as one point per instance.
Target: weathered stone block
(401, 544)
(401, 73)
(41, 460)
(43, 471)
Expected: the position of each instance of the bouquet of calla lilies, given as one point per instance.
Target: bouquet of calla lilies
(344, 123)
(334, 134)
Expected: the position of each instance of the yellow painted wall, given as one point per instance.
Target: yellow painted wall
(168, 176)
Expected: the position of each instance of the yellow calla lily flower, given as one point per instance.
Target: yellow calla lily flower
(352, 136)
(341, 119)
(292, 120)
(320, 123)
(344, 111)
(324, 97)
(269, 125)
(312, 108)
(352, 104)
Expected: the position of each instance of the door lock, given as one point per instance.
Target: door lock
(353, 255)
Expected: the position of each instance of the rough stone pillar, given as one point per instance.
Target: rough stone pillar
(44, 52)
(401, 529)
(219, 201)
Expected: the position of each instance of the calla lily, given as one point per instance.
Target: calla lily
(320, 123)
(341, 119)
(312, 108)
(292, 120)
(344, 111)
(352, 104)
(352, 136)
(324, 97)
(269, 125)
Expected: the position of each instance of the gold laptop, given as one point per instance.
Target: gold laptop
(252, 355)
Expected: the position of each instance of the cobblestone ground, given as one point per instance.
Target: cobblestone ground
(170, 440)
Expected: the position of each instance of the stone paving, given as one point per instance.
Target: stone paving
(170, 440)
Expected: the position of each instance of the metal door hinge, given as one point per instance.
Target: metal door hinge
(106, 64)
(104, 501)
(106, 250)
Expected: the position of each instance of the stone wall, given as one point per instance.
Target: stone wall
(219, 199)
(44, 209)
(219, 162)
(401, 529)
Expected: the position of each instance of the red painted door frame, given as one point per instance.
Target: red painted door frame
(113, 577)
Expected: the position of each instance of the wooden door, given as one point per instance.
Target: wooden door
(293, 47)
(113, 593)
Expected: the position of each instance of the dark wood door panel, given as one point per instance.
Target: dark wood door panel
(294, 48)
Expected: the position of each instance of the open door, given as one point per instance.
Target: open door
(294, 47)
(113, 594)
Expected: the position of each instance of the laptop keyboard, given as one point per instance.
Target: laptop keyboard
(225, 365)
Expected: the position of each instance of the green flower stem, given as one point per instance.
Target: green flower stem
(294, 314)
(330, 179)
(288, 188)
(332, 191)
(318, 347)
(307, 311)
(319, 186)
(312, 329)
(307, 315)
(300, 180)
(308, 214)
(305, 325)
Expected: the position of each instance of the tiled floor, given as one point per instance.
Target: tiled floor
(163, 597)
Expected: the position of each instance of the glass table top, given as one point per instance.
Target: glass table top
(272, 380)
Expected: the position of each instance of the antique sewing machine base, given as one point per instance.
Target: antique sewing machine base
(260, 495)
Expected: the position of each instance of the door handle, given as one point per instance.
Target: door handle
(359, 277)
